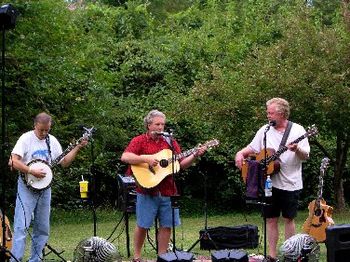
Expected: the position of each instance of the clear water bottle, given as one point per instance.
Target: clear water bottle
(268, 187)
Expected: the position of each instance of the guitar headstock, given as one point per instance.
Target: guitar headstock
(311, 131)
(88, 132)
(324, 164)
(212, 143)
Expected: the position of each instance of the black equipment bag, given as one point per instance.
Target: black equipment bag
(243, 236)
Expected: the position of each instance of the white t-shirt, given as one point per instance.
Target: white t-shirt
(290, 175)
(30, 147)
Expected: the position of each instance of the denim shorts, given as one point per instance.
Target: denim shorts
(148, 208)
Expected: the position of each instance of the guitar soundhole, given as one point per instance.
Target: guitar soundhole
(163, 163)
(318, 212)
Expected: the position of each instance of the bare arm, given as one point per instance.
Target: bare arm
(187, 162)
(241, 155)
(68, 159)
(298, 151)
(16, 163)
(133, 159)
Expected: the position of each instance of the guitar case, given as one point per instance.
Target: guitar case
(235, 237)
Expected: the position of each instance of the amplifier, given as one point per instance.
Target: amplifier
(126, 193)
(338, 243)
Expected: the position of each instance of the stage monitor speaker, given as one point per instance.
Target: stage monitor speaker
(233, 255)
(338, 243)
(177, 256)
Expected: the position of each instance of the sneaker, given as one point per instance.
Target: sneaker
(137, 260)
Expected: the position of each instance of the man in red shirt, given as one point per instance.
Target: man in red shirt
(156, 201)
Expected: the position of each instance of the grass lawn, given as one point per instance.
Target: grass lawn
(68, 228)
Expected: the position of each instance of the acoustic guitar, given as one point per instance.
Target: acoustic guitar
(320, 214)
(149, 177)
(272, 163)
(8, 234)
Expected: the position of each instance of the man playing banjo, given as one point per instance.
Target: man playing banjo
(35, 146)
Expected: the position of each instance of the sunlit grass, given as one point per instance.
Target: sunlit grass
(68, 228)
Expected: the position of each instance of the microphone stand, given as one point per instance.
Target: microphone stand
(4, 252)
(174, 198)
(93, 187)
(262, 175)
(205, 235)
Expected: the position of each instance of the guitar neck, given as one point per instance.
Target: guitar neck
(281, 150)
(186, 153)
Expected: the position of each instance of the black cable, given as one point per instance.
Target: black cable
(115, 228)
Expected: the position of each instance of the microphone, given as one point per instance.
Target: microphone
(161, 133)
(272, 123)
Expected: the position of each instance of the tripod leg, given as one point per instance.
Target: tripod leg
(7, 255)
(194, 244)
(58, 254)
(204, 235)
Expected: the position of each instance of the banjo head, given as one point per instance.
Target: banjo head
(39, 183)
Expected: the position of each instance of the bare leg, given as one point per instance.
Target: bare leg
(289, 228)
(163, 239)
(139, 239)
(272, 235)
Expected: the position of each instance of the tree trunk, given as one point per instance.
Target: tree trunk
(346, 13)
(341, 158)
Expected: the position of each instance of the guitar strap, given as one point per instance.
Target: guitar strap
(47, 140)
(286, 134)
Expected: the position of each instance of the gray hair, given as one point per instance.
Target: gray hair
(282, 105)
(152, 114)
(42, 118)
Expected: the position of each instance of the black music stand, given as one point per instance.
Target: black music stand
(8, 17)
(260, 167)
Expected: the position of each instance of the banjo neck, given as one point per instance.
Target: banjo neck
(64, 153)
(86, 135)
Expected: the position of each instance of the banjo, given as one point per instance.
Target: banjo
(38, 184)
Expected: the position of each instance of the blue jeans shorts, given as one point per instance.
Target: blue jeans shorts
(148, 208)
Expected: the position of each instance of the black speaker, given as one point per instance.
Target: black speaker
(8, 15)
(126, 193)
(233, 255)
(338, 243)
(177, 256)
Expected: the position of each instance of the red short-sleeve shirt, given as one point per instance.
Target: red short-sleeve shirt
(145, 145)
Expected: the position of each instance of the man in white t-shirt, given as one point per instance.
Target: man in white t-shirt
(39, 145)
(287, 183)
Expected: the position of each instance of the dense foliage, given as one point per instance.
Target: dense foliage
(210, 65)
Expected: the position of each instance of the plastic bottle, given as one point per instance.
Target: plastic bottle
(268, 187)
